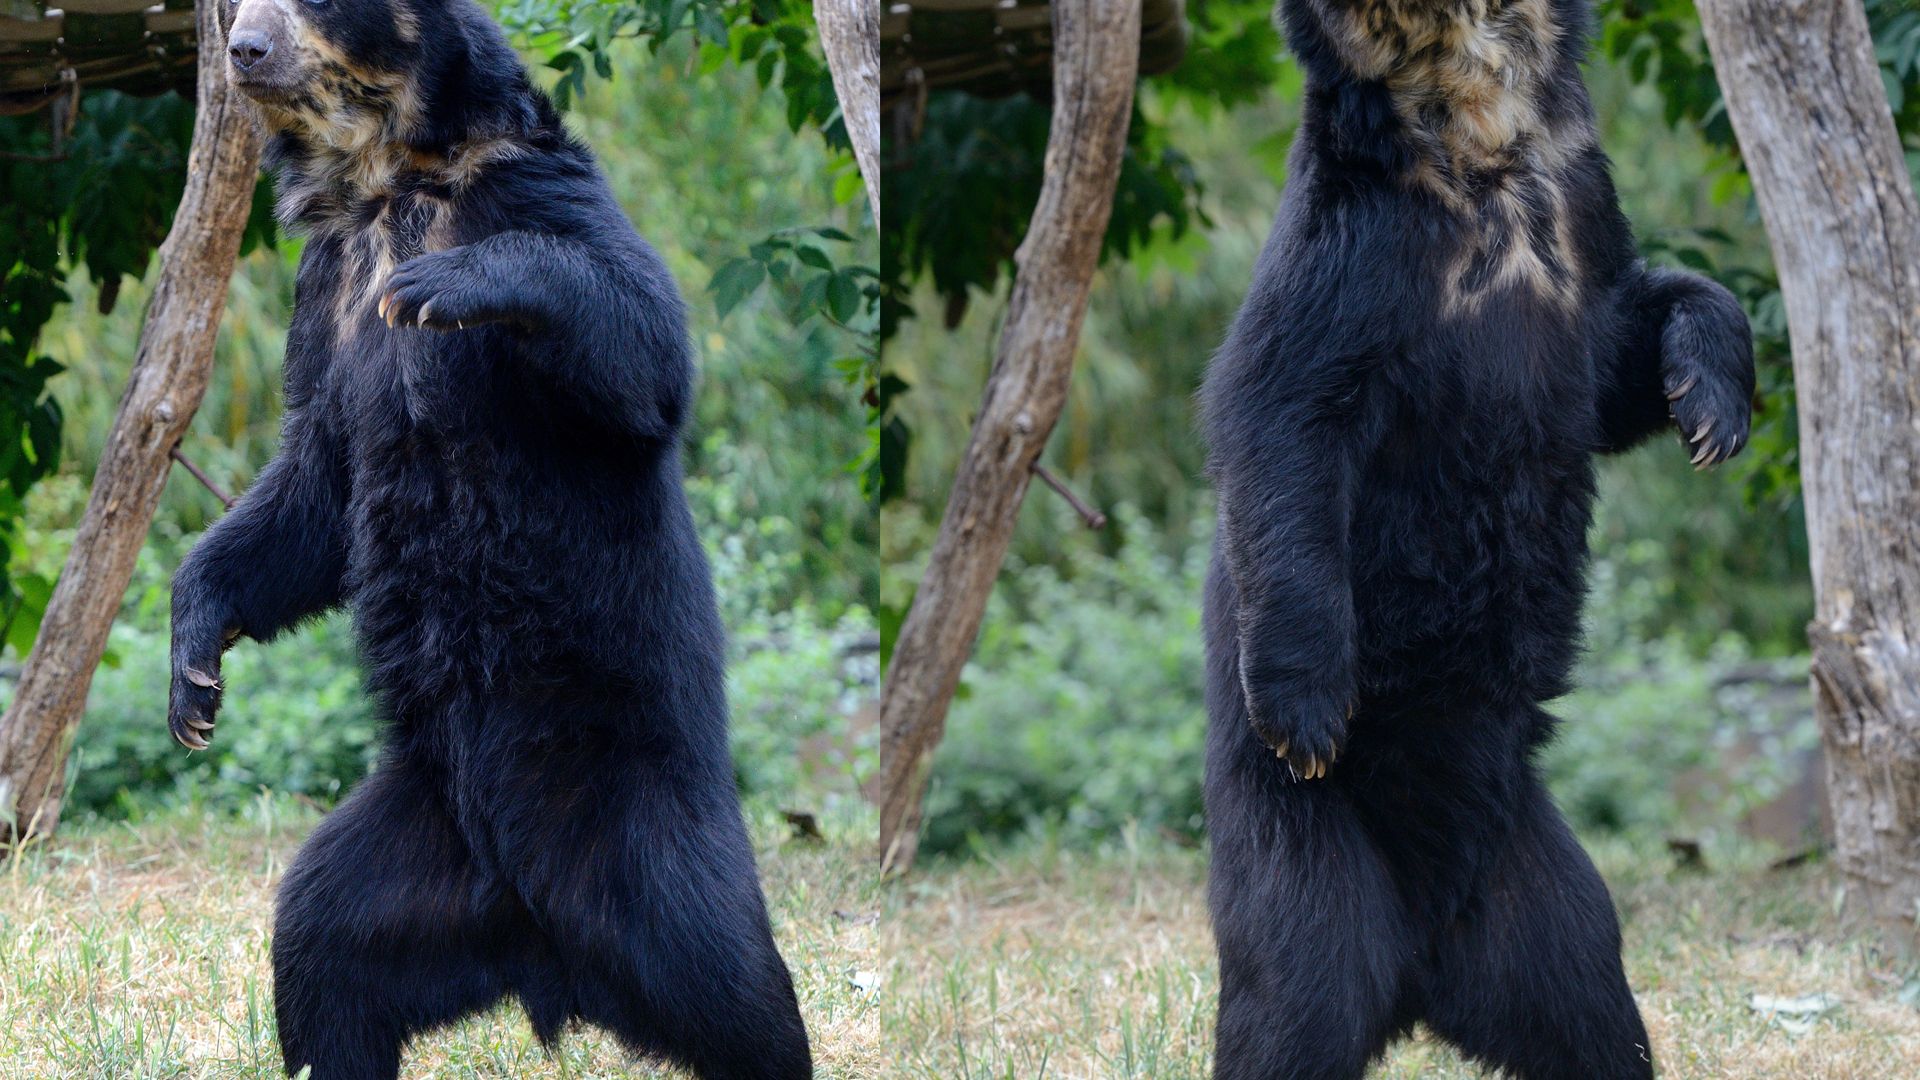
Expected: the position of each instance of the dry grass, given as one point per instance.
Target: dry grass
(1055, 965)
(142, 952)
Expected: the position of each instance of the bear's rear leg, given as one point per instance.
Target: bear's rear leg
(379, 932)
(1529, 979)
(1312, 935)
(645, 883)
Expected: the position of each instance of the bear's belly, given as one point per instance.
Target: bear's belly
(466, 574)
(1469, 575)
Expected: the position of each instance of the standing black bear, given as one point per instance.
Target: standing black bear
(1448, 321)
(485, 381)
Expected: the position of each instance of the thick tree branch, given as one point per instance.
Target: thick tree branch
(1096, 47)
(168, 380)
(1804, 92)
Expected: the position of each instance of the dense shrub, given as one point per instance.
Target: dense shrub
(1080, 711)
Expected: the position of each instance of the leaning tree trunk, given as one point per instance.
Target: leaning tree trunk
(1096, 52)
(850, 36)
(169, 378)
(1805, 95)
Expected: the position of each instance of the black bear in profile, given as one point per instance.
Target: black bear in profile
(1448, 321)
(486, 378)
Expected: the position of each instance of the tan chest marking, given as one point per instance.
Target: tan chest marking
(406, 225)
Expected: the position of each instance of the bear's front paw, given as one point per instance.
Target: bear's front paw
(441, 290)
(1307, 731)
(1713, 418)
(193, 700)
(1706, 371)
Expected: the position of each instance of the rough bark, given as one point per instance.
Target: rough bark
(1095, 57)
(850, 36)
(1807, 103)
(168, 379)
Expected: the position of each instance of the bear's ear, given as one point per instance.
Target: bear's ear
(469, 79)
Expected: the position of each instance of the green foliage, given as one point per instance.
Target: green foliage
(91, 185)
(798, 266)
(774, 38)
(800, 260)
(1081, 711)
(959, 199)
(960, 192)
(1660, 737)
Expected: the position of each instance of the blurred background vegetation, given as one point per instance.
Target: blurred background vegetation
(722, 140)
(1080, 718)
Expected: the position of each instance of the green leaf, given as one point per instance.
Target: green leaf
(848, 186)
(735, 282)
(843, 296)
(709, 25)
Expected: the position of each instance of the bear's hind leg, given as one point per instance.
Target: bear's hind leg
(644, 880)
(381, 930)
(1529, 978)
(1312, 935)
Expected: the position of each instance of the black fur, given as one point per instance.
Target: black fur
(497, 496)
(1402, 441)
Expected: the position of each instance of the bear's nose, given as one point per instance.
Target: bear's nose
(247, 48)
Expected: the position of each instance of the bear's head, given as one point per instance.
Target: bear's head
(339, 69)
(367, 96)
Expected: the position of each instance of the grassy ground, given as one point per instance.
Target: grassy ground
(1045, 964)
(141, 952)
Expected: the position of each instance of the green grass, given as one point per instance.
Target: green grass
(142, 951)
(1044, 964)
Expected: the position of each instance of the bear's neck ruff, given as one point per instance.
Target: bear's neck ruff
(1468, 80)
(354, 175)
(344, 156)
(1473, 87)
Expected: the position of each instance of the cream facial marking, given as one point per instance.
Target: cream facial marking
(352, 172)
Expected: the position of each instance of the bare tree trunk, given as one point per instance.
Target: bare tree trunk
(1807, 102)
(169, 378)
(850, 36)
(1096, 46)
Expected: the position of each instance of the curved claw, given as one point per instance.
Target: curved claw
(198, 724)
(1680, 391)
(202, 679)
